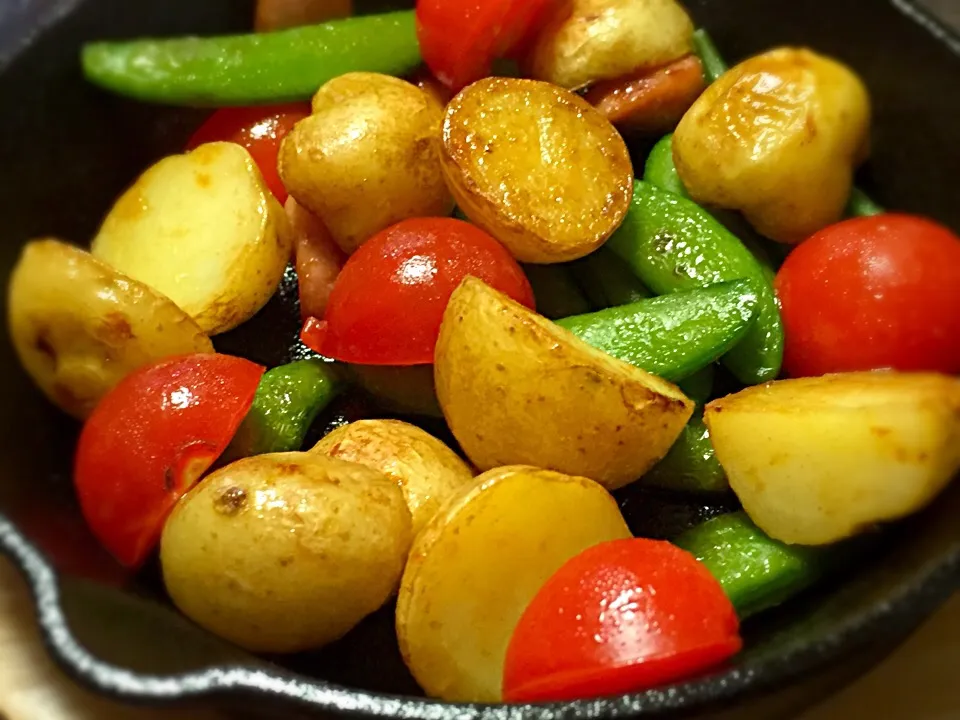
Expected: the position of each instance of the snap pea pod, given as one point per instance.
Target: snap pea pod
(672, 244)
(288, 400)
(756, 571)
(672, 336)
(257, 68)
(660, 169)
(698, 386)
(691, 465)
(556, 291)
(861, 205)
(607, 281)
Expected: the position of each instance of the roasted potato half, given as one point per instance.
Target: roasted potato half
(815, 460)
(777, 137)
(593, 40)
(537, 167)
(204, 230)
(427, 471)
(286, 552)
(367, 157)
(477, 565)
(79, 327)
(517, 389)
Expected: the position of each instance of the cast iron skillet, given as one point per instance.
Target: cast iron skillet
(66, 151)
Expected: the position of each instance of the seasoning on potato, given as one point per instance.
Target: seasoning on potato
(79, 327)
(777, 137)
(537, 167)
(366, 158)
(477, 565)
(815, 460)
(286, 552)
(517, 389)
(426, 470)
(605, 39)
(204, 230)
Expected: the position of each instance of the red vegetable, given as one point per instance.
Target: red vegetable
(622, 616)
(260, 130)
(149, 441)
(873, 292)
(460, 39)
(388, 301)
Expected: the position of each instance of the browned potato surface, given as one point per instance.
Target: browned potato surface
(537, 167)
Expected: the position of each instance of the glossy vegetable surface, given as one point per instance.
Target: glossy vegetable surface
(607, 280)
(691, 465)
(250, 69)
(660, 170)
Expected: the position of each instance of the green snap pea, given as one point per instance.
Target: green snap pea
(691, 465)
(607, 281)
(556, 291)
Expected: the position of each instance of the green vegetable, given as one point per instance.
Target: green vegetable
(698, 386)
(556, 292)
(756, 571)
(673, 244)
(675, 335)
(404, 390)
(860, 205)
(254, 69)
(660, 169)
(288, 400)
(607, 281)
(691, 465)
(713, 63)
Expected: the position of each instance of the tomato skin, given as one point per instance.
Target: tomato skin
(870, 293)
(622, 616)
(460, 39)
(388, 301)
(149, 441)
(260, 130)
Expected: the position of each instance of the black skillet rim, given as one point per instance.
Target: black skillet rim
(893, 619)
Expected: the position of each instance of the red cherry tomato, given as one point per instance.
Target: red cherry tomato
(622, 616)
(388, 301)
(873, 292)
(151, 438)
(460, 39)
(260, 130)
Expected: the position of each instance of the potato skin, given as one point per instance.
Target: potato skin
(426, 470)
(477, 565)
(79, 327)
(286, 552)
(203, 229)
(551, 192)
(517, 389)
(366, 158)
(777, 137)
(605, 39)
(815, 460)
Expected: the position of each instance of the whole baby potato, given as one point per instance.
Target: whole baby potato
(537, 167)
(604, 39)
(367, 157)
(79, 326)
(777, 137)
(426, 470)
(286, 552)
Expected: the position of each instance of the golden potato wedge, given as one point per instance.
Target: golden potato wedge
(537, 167)
(593, 40)
(427, 471)
(203, 229)
(816, 460)
(286, 552)
(367, 157)
(79, 327)
(517, 389)
(477, 565)
(777, 137)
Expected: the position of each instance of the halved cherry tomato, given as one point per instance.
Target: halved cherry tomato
(149, 441)
(388, 301)
(460, 39)
(622, 616)
(873, 292)
(260, 130)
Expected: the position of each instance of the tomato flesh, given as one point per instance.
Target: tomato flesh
(388, 300)
(151, 438)
(621, 617)
(260, 130)
(870, 293)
